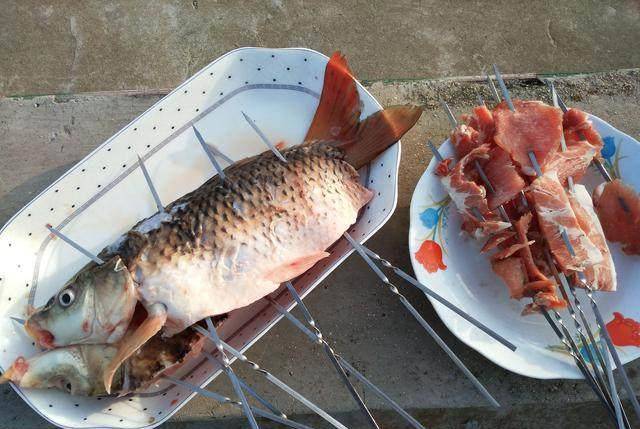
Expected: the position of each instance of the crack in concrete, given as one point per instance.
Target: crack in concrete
(77, 46)
(549, 36)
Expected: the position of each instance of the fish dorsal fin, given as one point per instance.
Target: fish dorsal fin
(337, 117)
(156, 318)
(338, 112)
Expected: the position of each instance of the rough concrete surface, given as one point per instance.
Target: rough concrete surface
(66, 46)
(43, 136)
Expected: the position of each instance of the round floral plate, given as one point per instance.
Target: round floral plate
(451, 263)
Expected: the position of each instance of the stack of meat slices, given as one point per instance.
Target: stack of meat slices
(538, 208)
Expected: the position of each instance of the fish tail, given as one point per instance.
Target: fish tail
(337, 117)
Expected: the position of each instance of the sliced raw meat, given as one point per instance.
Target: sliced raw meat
(503, 176)
(577, 126)
(573, 162)
(443, 167)
(496, 239)
(618, 207)
(512, 272)
(461, 183)
(554, 214)
(534, 126)
(464, 139)
(544, 300)
(522, 228)
(510, 250)
(482, 121)
(601, 276)
(482, 229)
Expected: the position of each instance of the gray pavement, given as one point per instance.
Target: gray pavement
(43, 136)
(66, 46)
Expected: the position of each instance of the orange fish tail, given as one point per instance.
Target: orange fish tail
(337, 117)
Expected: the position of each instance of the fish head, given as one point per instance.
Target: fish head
(75, 369)
(95, 306)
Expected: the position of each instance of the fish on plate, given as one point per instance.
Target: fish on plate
(229, 242)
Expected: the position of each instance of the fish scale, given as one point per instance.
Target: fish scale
(266, 210)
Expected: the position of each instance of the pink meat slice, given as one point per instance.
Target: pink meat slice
(601, 276)
(577, 126)
(464, 139)
(618, 208)
(482, 120)
(481, 229)
(554, 214)
(496, 239)
(573, 162)
(504, 178)
(534, 126)
(461, 183)
(512, 272)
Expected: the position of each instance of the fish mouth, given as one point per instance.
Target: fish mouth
(43, 337)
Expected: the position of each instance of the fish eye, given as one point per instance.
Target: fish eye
(68, 387)
(66, 297)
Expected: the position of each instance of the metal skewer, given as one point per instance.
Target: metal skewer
(226, 367)
(332, 356)
(316, 337)
(208, 150)
(225, 400)
(273, 379)
(147, 178)
(422, 322)
(492, 88)
(18, 320)
(75, 245)
(264, 138)
(605, 333)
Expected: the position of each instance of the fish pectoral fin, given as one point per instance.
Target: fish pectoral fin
(156, 318)
(294, 268)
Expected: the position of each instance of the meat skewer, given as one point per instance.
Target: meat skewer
(596, 161)
(598, 386)
(594, 306)
(563, 334)
(422, 322)
(603, 329)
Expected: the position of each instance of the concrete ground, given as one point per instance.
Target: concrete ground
(72, 47)
(66, 46)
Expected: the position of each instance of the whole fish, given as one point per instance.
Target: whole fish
(79, 369)
(230, 242)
